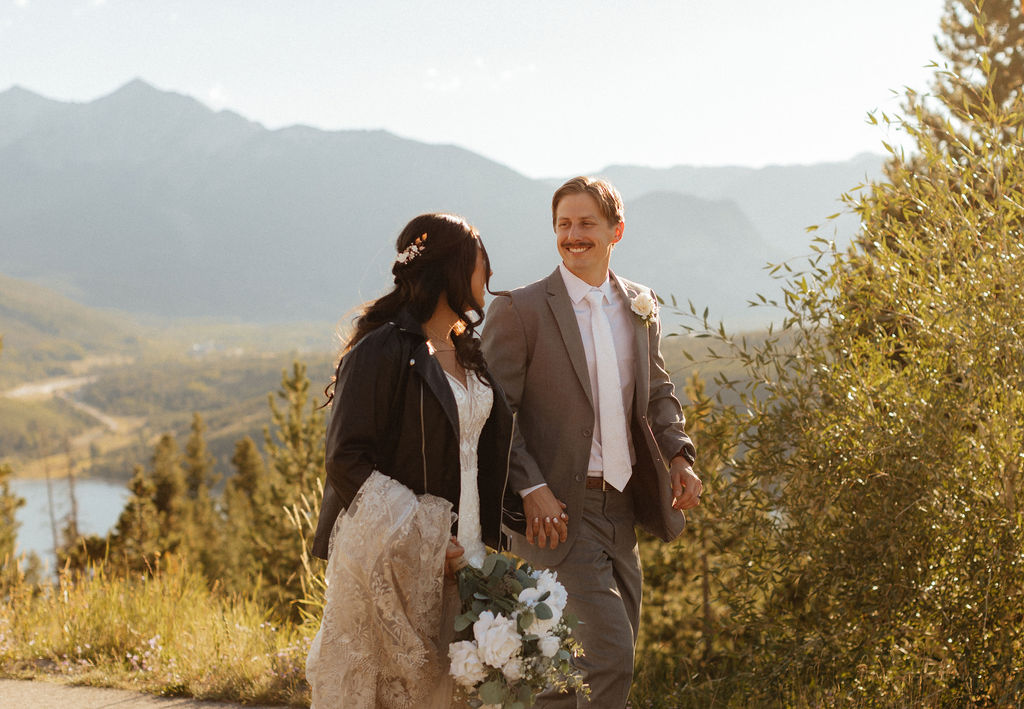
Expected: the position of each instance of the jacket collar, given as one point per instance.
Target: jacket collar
(428, 369)
(407, 323)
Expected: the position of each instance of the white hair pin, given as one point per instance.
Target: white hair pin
(412, 250)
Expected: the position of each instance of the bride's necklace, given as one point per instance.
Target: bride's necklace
(434, 339)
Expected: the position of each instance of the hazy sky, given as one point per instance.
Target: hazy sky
(548, 87)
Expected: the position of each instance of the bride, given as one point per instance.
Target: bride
(418, 428)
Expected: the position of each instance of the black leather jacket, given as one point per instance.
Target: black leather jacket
(394, 412)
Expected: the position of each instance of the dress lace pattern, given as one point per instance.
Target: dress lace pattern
(379, 643)
(388, 611)
(474, 401)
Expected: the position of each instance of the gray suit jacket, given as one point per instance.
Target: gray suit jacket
(534, 350)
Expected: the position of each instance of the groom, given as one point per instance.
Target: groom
(599, 444)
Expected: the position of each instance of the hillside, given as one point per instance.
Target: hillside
(46, 334)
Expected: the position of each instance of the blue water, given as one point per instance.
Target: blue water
(99, 505)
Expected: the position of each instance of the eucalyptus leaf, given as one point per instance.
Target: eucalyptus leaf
(492, 692)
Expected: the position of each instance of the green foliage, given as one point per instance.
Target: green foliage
(9, 504)
(295, 449)
(246, 491)
(983, 43)
(697, 589)
(881, 428)
(204, 524)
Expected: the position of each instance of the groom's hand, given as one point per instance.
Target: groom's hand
(686, 486)
(547, 524)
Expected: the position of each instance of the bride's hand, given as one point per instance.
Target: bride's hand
(453, 558)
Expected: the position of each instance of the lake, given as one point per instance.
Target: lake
(99, 505)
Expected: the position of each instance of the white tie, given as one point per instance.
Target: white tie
(614, 446)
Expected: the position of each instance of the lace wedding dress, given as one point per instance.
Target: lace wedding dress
(388, 612)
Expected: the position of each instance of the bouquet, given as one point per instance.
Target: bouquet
(513, 638)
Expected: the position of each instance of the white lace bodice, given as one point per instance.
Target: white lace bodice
(474, 401)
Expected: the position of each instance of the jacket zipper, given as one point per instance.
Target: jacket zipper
(504, 486)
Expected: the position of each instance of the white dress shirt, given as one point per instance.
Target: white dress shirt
(622, 331)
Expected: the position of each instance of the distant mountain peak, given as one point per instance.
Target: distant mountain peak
(138, 91)
(17, 94)
(138, 86)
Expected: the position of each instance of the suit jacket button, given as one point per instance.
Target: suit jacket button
(579, 477)
(587, 433)
(412, 362)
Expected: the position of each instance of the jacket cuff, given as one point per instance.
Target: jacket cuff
(688, 452)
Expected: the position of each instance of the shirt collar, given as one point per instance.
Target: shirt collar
(578, 288)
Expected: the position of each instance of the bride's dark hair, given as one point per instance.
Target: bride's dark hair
(445, 262)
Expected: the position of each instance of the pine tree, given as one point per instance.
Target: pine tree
(295, 444)
(137, 541)
(295, 447)
(9, 505)
(204, 524)
(245, 492)
(198, 462)
(170, 493)
(25, 570)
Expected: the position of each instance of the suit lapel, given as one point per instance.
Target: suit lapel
(641, 347)
(568, 326)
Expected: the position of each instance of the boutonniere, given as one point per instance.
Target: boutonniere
(645, 307)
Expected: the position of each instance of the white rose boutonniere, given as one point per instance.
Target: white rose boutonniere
(645, 306)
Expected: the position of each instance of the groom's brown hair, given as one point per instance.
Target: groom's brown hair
(608, 199)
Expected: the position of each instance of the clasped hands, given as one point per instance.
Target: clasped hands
(547, 523)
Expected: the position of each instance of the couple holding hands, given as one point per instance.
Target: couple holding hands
(554, 432)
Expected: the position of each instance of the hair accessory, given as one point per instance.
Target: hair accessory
(412, 250)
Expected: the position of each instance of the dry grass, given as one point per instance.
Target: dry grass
(164, 633)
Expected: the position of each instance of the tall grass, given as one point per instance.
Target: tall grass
(165, 633)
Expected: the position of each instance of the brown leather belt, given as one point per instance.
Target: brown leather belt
(596, 483)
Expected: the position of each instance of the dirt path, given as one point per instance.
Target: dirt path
(47, 387)
(36, 694)
(109, 433)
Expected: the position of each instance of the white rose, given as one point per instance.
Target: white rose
(529, 596)
(644, 305)
(496, 638)
(549, 645)
(513, 669)
(557, 595)
(466, 666)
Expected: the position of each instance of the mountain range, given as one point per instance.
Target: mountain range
(148, 201)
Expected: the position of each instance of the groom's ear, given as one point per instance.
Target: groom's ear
(619, 228)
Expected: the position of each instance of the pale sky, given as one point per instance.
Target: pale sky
(547, 87)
